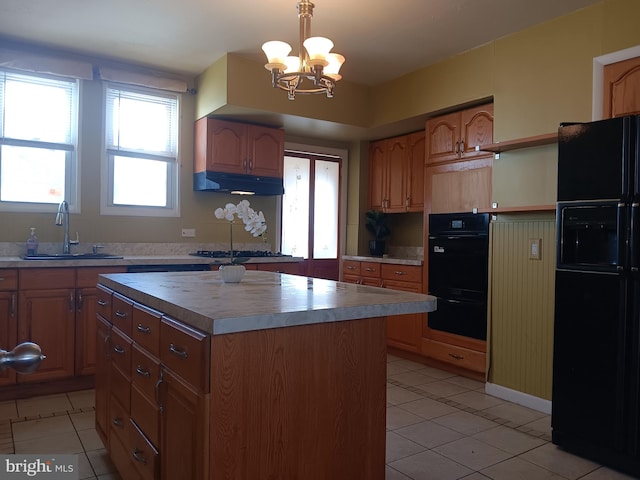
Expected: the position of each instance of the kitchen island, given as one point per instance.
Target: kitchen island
(278, 377)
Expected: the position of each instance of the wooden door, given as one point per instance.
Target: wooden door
(443, 138)
(415, 172)
(621, 94)
(377, 193)
(396, 171)
(227, 146)
(47, 317)
(8, 331)
(265, 151)
(477, 129)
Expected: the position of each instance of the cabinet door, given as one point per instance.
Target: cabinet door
(8, 331)
(183, 431)
(405, 331)
(47, 317)
(102, 340)
(460, 186)
(86, 309)
(226, 151)
(396, 173)
(377, 192)
(265, 151)
(477, 129)
(415, 172)
(443, 138)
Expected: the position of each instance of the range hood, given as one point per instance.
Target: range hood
(236, 183)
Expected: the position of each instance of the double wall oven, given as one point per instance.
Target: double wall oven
(458, 273)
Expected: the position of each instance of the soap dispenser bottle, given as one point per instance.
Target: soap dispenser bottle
(32, 243)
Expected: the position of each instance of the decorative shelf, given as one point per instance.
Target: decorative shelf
(535, 141)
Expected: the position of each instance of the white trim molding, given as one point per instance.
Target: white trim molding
(524, 399)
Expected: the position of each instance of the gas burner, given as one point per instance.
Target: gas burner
(236, 253)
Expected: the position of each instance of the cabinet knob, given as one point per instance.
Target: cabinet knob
(142, 329)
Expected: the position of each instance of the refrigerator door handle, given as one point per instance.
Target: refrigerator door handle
(633, 237)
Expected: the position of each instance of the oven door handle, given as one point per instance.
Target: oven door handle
(460, 302)
(457, 237)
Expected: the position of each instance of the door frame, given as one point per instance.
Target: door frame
(598, 76)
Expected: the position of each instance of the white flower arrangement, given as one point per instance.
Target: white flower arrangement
(254, 222)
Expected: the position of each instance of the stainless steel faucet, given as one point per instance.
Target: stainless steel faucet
(62, 218)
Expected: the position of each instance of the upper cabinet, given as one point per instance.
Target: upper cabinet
(455, 136)
(232, 147)
(396, 174)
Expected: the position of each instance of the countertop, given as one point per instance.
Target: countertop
(261, 300)
(394, 260)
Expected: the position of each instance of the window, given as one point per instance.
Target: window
(38, 131)
(141, 152)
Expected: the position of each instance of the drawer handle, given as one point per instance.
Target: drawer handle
(143, 329)
(350, 267)
(118, 349)
(400, 272)
(457, 357)
(177, 351)
(142, 372)
(369, 269)
(102, 303)
(137, 456)
(120, 314)
(117, 422)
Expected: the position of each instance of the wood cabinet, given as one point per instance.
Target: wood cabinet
(8, 318)
(233, 147)
(459, 135)
(396, 174)
(403, 331)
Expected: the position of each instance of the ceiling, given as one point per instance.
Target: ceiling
(380, 39)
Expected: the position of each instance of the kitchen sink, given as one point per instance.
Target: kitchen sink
(71, 256)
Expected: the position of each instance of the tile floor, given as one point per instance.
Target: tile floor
(439, 427)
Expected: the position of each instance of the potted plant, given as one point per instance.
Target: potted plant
(376, 223)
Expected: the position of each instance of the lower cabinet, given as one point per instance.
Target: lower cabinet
(467, 356)
(8, 318)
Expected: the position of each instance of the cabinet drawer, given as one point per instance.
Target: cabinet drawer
(461, 357)
(370, 269)
(119, 452)
(103, 302)
(121, 351)
(146, 328)
(145, 372)
(8, 279)
(146, 414)
(350, 267)
(121, 313)
(118, 419)
(120, 388)
(46, 278)
(405, 273)
(144, 455)
(185, 351)
(87, 277)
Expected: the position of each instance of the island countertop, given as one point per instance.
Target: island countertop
(262, 300)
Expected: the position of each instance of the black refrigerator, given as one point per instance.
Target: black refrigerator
(596, 365)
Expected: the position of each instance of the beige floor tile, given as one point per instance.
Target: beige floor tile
(427, 408)
(467, 382)
(465, 423)
(518, 469)
(435, 373)
(604, 473)
(33, 429)
(84, 468)
(517, 415)
(399, 447)
(393, 474)
(397, 395)
(90, 440)
(475, 476)
(442, 388)
(477, 400)
(412, 378)
(82, 399)
(100, 462)
(394, 368)
(47, 404)
(541, 425)
(429, 434)
(110, 476)
(554, 459)
(430, 466)
(472, 453)
(55, 444)
(84, 420)
(396, 418)
(8, 410)
(509, 440)
(408, 364)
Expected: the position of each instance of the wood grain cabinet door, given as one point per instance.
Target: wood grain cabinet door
(265, 151)
(377, 171)
(477, 130)
(415, 172)
(8, 330)
(226, 146)
(622, 88)
(396, 175)
(443, 138)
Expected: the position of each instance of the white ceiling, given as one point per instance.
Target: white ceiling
(381, 39)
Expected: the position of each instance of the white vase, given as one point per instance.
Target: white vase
(231, 273)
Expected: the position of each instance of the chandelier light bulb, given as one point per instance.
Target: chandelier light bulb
(318, 48)
(276, 52)
(292, 64)
(335, 62)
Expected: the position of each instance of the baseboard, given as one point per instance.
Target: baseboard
(524, 399)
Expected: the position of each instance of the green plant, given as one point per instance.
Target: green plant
(376, 224)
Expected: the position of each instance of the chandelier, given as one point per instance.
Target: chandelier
(314, 70)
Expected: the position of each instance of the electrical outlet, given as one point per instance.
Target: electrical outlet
(535, 245)
(189, 232)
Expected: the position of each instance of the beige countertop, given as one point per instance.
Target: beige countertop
(261, 300)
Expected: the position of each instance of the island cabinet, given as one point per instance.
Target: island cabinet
(8, 318)
(396, 174)
(233, 147)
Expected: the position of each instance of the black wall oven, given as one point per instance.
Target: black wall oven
(458, 273)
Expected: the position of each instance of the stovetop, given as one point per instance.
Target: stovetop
(236, 253)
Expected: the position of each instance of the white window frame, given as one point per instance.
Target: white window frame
(72, 149)
(173, 177)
